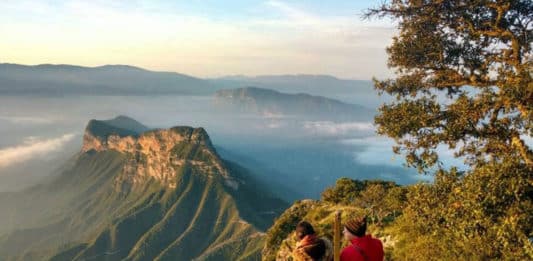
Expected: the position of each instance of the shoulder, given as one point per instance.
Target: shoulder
(377, 242)
(348, 251)
(300, 255)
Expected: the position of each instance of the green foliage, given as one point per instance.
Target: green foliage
(344, 192)
(478, 53)
(381, 200)
(186, 150)
(462, 221)
(463, 81)
(283, 226)
(87, 212)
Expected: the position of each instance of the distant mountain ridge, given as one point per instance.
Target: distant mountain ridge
(350, 91)
(271, 102)
(59, 80)
(138, 194)
(47, 79)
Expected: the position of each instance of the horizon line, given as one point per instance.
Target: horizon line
(190, 75)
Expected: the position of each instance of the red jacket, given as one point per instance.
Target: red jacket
(363, 249)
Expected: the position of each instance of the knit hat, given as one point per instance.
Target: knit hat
(356, 226)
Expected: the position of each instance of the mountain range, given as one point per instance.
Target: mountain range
(135, 193)
(273, 103)
(61, 80)
(47, 79)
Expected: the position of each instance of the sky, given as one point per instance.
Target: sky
(203, 38)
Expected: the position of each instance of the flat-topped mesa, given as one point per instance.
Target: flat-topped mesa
(100, 136)
(160, 154)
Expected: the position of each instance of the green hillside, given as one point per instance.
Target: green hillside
(104, 207)
(381, 201)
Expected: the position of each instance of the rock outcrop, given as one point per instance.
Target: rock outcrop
(156, 154)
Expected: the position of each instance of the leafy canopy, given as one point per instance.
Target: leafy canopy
(464, 79)
(464, 72)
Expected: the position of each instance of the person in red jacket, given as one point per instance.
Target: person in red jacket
(363, 247)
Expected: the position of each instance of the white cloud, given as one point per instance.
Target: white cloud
(102, 32)
(31, 148)
(378, 151)
(297, 16)
(329, 128)
(275, 115)
(26, 120)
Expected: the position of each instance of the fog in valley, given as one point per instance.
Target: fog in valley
(40, 133)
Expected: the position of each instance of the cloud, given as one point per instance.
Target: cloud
(377, 151)
(279, 38)
(328, 128)
(31, 148)
(297, 16)
(26, 120)
(275, 124)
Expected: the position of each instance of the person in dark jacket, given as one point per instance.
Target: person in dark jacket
(309, 246)
(363, 247)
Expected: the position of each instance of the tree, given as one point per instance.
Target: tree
(371, 199)
(464, 80)
(477, 54)
(344, 192)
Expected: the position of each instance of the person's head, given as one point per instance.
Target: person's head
(303, 229)
(354, 228)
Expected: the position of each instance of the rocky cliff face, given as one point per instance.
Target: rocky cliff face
(157, 154)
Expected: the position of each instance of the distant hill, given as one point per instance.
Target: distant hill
(60, 80)
(273, 103)
(350, 91)
(130, 194)
(47, 79)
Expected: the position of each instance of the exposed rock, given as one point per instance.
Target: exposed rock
(157, 154)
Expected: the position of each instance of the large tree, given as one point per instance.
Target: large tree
(464, 81)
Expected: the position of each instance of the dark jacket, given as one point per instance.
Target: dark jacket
(310, 248)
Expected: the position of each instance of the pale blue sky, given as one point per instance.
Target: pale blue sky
(203, 38)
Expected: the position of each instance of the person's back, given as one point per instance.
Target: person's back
(312, 250)
(362, 247)
(310, 247)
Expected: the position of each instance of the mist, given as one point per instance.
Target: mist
(42, 133)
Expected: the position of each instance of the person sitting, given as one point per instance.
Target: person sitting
(362, 247)
(309, 246)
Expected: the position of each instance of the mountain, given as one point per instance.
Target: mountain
(350, 91)
(273, 103)
(47, 79)
(137, 194)
(60, 80)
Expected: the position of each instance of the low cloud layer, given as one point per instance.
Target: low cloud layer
(31, 148)
(26, 120)
(378, 151)
(329, 128)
